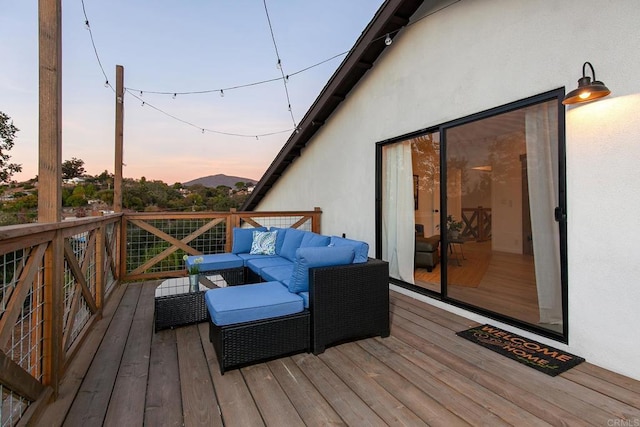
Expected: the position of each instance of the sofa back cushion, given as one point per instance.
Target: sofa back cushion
(291, 242)
(360, 248)
(311, 239)
(311, 257)
(282, 232)
(242, 239)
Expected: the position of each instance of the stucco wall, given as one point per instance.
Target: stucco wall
(475, 55)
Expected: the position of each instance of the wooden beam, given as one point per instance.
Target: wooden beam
(50, 177)
(119, 157)
(50, 115)
(17, 379)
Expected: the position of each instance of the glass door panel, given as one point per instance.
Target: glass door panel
(501, 237)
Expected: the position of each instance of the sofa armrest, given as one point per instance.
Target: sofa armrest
(348, 302)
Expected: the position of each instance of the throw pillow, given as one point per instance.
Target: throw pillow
(264, 243)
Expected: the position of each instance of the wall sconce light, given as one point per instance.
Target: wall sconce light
(587, 90)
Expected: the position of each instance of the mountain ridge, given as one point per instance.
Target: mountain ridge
(214, 181)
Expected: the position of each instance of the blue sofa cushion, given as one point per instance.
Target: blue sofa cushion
(291, 243)
(216, 262)
(307, 258)
(247, 303)
(242, 239)
(360, 248)
(278, 273)
(282, 232)
(257, 264)
(311, 239)
(246, 257)
(264, 243)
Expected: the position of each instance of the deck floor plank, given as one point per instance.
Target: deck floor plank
(423, 373)
(199, 403)
(236, 403)
(57, 411)
(91, 403)
(385, 404)
(272, 401)
(576, 398)
(342, 399)
(127, 403)
(425, 369)
(310, 404)
(163, 407)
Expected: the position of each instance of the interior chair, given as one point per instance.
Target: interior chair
(426, 252)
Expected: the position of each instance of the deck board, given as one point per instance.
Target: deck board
(422, 374)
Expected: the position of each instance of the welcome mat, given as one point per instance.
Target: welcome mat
(539, 356)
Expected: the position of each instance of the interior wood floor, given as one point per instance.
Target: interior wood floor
(505, 282)
(423, 374)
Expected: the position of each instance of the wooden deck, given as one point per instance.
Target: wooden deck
(125, 375)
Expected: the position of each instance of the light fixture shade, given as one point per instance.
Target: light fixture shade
(587, 90)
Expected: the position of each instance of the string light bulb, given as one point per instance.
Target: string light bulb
(388, 40)
(203, 131)
(86, 25)
(142, 104)
(279, 64)
(106, 83)
(174, 95)
(221, 93)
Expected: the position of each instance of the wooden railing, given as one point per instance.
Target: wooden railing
(477, 223)
(156, 243)
(57, 277)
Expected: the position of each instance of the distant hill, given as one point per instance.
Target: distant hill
(214, 181)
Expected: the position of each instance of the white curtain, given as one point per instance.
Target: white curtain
(542, 164)
(398, 221)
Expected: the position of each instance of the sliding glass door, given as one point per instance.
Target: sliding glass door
(486, 231)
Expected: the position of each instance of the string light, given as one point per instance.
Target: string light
(203, 130)
(284, 78)
(93, 43)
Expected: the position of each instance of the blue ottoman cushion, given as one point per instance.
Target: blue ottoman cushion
(216, 262)
(247, 303)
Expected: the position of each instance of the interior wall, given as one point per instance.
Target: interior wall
(454, 63)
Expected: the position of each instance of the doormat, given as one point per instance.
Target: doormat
(538, 356)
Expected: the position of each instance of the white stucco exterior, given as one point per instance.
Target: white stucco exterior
(475, 55)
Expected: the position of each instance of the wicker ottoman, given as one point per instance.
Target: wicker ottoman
(243, 344)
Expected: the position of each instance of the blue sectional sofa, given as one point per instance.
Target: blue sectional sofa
(302, 291)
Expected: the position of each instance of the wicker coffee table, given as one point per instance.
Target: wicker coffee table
(177, 305)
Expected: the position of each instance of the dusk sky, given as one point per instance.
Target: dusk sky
(170, 46)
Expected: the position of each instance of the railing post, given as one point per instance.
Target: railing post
(53, 312)
(100, 267)
(122, 248)
(315, 220)
(233, 220)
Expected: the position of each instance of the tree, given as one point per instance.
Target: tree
(72, 168)
(7, 135)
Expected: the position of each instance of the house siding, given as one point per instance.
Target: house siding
(476, 55)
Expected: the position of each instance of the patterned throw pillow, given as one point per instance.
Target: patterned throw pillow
(264, 243)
